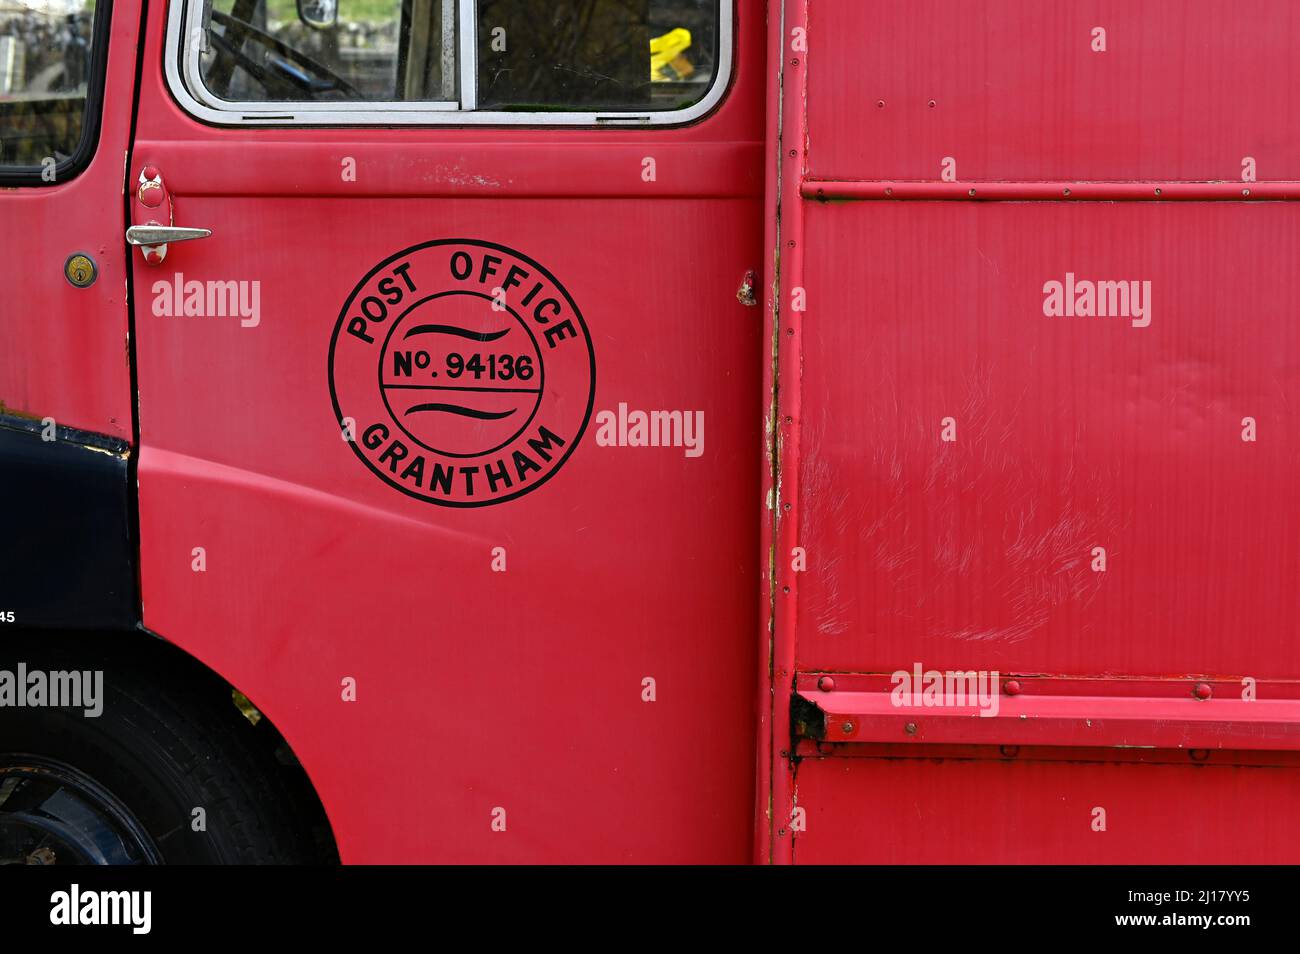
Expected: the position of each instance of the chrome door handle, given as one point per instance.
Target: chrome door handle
(162, 234)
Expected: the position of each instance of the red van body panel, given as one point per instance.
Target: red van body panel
(1036, 435)
(476, 690)
(991, 532)
(74, 363)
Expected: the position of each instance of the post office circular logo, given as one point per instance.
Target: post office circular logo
(462, 373)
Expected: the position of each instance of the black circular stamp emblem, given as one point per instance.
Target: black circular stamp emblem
(462, 373)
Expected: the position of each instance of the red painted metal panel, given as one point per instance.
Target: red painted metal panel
(476, 689)
(784, 242)
(1013, 89)
(982, 477)
(1015, 811)
(1071, 434)
(66, 348)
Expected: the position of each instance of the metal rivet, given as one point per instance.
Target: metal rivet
(1157, 191)
(932, 104)
(1202, 690)
(910, 728)
(1245, 192)
(847, 728)
(825, 683)
(785, 589)
(880, 104)
(971, 193)
(1012, 687)
(1009, 751)
(1066, 193)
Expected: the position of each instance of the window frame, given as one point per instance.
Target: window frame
(184, 79)
(91, 119)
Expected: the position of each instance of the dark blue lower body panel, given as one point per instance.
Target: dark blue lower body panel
(67, 553)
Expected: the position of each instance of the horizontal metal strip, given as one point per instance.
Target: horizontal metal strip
(1090, 721)
(858, 189)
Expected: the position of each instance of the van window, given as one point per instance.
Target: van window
(349, 59)
(595, 54)
(334, 50)
(45, 74)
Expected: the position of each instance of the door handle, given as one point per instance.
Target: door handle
(153, 217)
(163, 234)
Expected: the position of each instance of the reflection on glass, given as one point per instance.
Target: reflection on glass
(44, 69)
(534, 55)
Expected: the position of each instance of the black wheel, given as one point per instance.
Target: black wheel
(170, 771)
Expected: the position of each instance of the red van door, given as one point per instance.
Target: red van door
(447, 427)
(1035, 560)
(66, 83)
(67, 77)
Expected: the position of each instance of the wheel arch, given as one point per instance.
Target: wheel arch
(149, 656)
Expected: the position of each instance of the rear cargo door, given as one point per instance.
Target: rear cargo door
(1036, 529)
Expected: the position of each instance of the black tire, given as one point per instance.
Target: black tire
(169, 740)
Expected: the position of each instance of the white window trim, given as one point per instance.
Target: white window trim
(185, 81)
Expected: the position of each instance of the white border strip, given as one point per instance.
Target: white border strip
(212, 109)
(468, 54)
